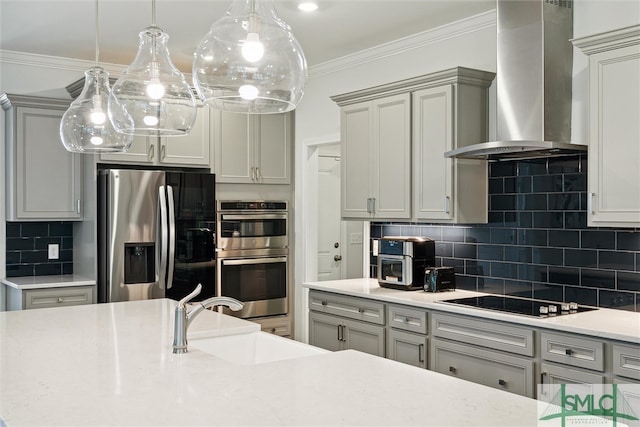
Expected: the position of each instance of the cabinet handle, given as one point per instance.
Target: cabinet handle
(543, 390)
(369, 205)
(151, 149)
(60, 300)
(163, 152)
(590, 203)
(568, 352)
(373, 205)
(340, 332)
(258, 177)
(446, 204)
(78, 206)
(452, 369)
(502, 382)
(253, 174)
(324, 303)
(406, 320)
(360, 310)
(421, 353)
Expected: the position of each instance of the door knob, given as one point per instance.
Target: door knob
(337, 257)
(336, 245)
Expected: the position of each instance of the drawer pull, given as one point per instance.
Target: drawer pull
(420, 353)
(360, 310)
(502, 382)
(568, 352)
(406, 320)
(324, 303)
(452, 369)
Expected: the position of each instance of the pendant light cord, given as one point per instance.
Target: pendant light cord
(97, 24)
(153, 13)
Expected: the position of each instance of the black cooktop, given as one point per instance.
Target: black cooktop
(524, 306)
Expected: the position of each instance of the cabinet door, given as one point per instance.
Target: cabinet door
(407, 348)
(364, 337)
(233, 147)
(391, 155)
(325, 331)
(273, 149)
(493, 369)
(356, 169)
(141, 152)
(432, 137)
(47, 178)
(614, 108)
(191, 149)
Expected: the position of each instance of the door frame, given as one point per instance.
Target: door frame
(306, 229)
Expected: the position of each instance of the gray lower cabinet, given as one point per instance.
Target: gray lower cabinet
(407, 340)
(626, 361)
(338, 333)
(491, 368)
(24, 299)
(407, 347)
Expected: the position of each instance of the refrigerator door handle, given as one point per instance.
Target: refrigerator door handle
(172, 235)
(163, 232)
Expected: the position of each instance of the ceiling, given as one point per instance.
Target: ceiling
(66, 28)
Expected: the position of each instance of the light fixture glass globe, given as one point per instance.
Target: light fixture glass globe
(84, 128)
(270, 79)
(152, 97)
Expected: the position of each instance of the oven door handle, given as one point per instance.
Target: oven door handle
(247, 261)
(253, 217)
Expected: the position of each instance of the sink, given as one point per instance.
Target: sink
(254, 348)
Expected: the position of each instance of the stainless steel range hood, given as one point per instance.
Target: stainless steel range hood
(533, 82)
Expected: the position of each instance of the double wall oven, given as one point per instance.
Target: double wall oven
(252, 256)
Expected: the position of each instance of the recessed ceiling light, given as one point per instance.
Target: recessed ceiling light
(307, 6)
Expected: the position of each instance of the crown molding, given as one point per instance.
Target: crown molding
(455, 29)
(54, 62)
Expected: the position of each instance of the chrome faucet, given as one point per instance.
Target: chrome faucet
(183, 318)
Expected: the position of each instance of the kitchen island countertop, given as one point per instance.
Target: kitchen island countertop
(603, 323)
(111, 364)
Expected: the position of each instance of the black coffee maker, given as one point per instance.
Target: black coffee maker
(402, 261)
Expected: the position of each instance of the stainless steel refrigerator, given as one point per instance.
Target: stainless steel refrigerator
(156, 234)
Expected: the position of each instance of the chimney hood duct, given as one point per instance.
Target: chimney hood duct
(533, 82)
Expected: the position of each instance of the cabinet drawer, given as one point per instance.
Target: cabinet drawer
(493, 369)
(58, 297)
(485, 333)
(626, 361)
(351, 307)
(572, 350)
(407, 318)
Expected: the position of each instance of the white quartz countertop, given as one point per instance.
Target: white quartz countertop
(111, 364)
(42, 282)
(604, 323)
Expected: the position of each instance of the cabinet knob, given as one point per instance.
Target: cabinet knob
(360, 310)
(60, 300)
(452, 369)
(569, 352)
(502, 382)
(406, 320)
(324, 303)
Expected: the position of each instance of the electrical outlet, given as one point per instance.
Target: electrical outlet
(54, 251)
(375, 247)
(355, 238)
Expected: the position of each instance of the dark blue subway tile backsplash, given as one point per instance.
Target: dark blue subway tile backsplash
(28, 248)
(536, 242)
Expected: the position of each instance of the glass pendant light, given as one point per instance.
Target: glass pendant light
(84, 127)
(250, 62)
(152, 97)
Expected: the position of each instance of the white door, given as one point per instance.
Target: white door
(329, 223)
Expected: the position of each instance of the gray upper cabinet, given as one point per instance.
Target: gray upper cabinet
(192, 150)
(253, 149)
(394, 138)
(451, 114)
(376, 158)
(43, 178)
(614, 108)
